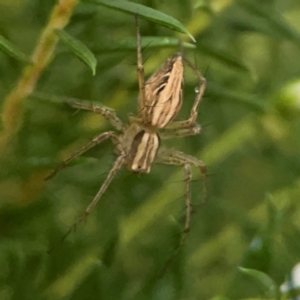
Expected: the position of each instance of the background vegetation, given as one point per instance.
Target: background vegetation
(249, 53)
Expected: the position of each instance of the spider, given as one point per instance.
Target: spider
(138, 144)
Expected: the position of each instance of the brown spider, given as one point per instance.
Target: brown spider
(138, 144)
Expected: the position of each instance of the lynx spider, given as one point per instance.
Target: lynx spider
(137, 146)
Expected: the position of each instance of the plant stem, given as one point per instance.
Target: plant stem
(12, 113)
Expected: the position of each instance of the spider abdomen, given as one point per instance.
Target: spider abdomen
(144, 149)
(140, 146)
(163, 94)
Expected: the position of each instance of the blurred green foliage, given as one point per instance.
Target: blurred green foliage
(249, 53)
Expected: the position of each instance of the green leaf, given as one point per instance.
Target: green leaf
(225, 58)
(7, 47)
(276, 23)
(79, 49)
(266, 281)
(250, 101)
(145, 13)
(129, 44)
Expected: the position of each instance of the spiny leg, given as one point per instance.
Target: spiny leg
(140, 67)
(170, 133)
(188, 206)
(177, 158)
(95, 141)
(117, 165)
(187, 180)
(108, 113)
(194, 111)
(200, 92)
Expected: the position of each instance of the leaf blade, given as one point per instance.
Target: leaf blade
(277, 26)
(8, 48)
(145, 13)
(264, 279)
(79, 49)
(151, 42)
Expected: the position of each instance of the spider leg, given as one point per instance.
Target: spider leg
(174, 157)
(108, 113)
(82, 218)
(177, 158)
(194, 111)
(170, 133)
(140, 67)
(95, 141)
(199, 92)
(188, 206)
(116, 167)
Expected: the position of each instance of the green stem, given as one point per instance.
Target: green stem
(12, 113)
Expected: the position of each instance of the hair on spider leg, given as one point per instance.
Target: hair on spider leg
(81, 218)
(207, 125)
(195, 65)
(143, 49)
(205, 73)
(212, 174)
(133, 63)
(76, 112)
(179, 238)
(196, 180)
(168, 261)
(71, 230)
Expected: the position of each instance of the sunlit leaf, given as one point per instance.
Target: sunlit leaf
(79, 49)
(276, 23)
(226, 58)
(129, 44)
(265, 280)
(145, 13)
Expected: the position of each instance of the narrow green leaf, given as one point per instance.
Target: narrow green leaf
(251, 101)
(266, 281)
(145, 13)
(276, 23)
(129, 44)
(7, 47)
(79, 49)
(225, 58)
